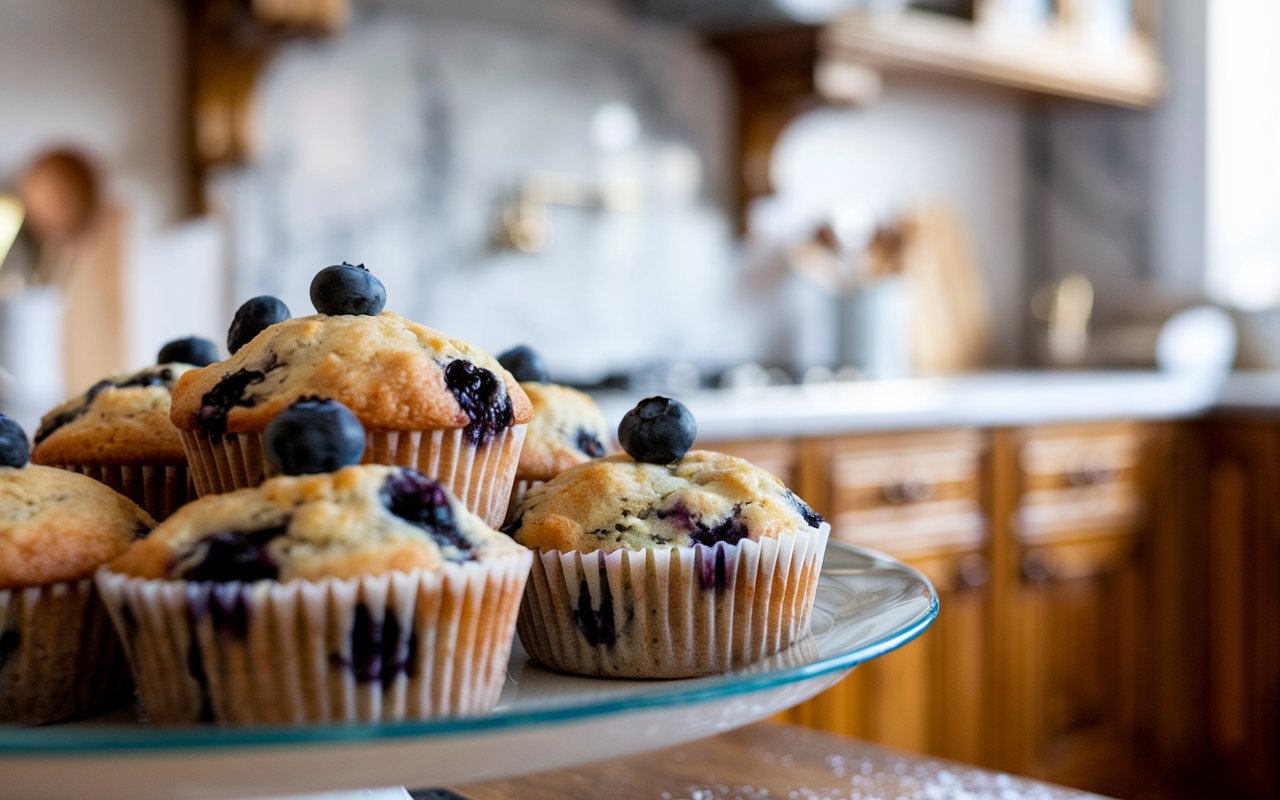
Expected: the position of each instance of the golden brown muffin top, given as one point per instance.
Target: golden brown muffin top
(361, 520)
(567, 429)
(59, 526)
(617, 503)
(123, 419)
(393, 373)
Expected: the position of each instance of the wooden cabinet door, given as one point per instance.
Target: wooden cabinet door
(1072, 613)
(1241, 547)
(917, 496)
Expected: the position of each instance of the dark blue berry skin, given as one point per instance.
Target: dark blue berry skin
(192, 350)
(715, 573)
(313, 435)
(380, 650)
(14, 449)
(597, 626)
(232, 556)
(254, 317)
(348, 289)
(588, 444)
(225, 395)
(811, 518)
(482, 397)
(658, 430)
(524, 364)
(421, 501)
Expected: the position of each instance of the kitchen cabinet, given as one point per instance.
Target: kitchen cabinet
(1038, 541)
(1240, 543)
(1069, 610)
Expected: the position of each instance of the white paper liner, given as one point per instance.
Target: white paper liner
(479, 476)
(59, 655)
(518, 491)
(321, 651)
(159, 489)
(675, 613)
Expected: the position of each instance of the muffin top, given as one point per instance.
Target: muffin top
(393, 373)
(57, 525)
(360, 520)
(567, 429)
(123, 419)
(617, 503)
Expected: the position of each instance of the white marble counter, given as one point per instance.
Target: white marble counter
(988, 399)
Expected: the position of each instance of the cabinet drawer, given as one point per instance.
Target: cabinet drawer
(1080, 477)
(908, 492)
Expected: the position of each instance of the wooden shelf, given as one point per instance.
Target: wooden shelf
(1052, 62)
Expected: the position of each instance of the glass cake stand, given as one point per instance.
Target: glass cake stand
(867, 604)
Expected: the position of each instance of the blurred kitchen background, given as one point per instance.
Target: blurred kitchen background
(1082, 196)
(802, 185)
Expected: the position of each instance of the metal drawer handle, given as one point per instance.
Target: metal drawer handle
(1038, 567)
(972, 571)
(1091, 474)
(913, 489)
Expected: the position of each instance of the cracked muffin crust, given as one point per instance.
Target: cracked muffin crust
(567, 429)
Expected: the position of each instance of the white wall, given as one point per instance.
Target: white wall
(106, 78)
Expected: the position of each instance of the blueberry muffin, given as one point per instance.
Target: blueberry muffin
(58, 653)
(368, 593)
(118, 432)
(665, 563)
(426, 400)
(567, 428)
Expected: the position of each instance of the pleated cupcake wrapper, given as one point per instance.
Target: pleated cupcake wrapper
(672, 613)
(381, 648)
(519, 490)
(160, 489)
(479, 476)
(59, 655)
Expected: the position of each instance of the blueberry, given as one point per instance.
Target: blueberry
(226, 394)
(14, 450)
(192, 350)
(589, 444)
(524, 364)
(658, 430)
(313, 435)
(348, 289)
(254, 317)
(422, 502)
(230, 556)
(482, 397)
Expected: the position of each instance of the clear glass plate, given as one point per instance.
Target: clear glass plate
(867, 604)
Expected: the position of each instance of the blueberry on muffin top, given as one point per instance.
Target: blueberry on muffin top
(618, 503)
(392, 373)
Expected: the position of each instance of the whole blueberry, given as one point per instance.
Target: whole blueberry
(192, 350)
(348, 289)
(254, 317)
(313, 435)
(524, 364)
(14, 450)
(658, 430)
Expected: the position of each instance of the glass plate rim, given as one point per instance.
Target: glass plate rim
(71, 739)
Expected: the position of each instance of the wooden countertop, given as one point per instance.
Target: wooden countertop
(766, 760)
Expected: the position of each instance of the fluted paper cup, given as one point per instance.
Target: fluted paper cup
(479, 475)
(159, 489)
(674, 613)
(406, 645)
(59, 655)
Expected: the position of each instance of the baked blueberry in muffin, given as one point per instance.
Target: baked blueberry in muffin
(364, 592)
(665, 562)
